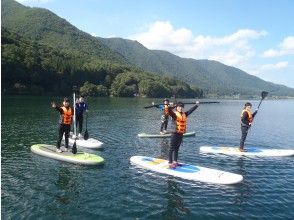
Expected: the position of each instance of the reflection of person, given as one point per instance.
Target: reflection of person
(175, 208)
(246, 121)
(81, 107)
(164, 148)
(164, 117)
(180, 123)
(66, 114)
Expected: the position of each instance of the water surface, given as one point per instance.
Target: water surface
(35, 187)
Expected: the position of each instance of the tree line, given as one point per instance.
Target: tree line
(30, 67)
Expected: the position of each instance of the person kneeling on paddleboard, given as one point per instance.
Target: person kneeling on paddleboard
(246, 122)
(66, 114)
(180, 123)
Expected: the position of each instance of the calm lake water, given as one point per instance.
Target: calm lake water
(35, 187)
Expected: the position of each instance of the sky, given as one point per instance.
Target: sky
(256, 36)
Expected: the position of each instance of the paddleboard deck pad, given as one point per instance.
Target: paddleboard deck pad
(186, 171)
(81, 142)
(144, 135)
(249, 151)
(79, 158)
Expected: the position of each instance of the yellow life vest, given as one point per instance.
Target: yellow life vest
(66, 116)
(181, 122)
(250, 118)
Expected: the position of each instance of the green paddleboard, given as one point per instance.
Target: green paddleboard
(79, 158)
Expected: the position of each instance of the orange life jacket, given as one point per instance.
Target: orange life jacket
(181, 122)
(66, 117)
(165, 110)
(250, 118)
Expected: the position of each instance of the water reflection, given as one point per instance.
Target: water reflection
(164, 148)
(243, 192)
(68, 186)
(175, 206)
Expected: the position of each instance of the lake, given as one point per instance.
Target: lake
(35, 187)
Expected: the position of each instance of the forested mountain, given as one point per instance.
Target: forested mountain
(211, 76)
(29, 67)
(46, 27)
(43, 53)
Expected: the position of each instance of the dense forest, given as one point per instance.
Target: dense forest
(44, 54)
(29, 67)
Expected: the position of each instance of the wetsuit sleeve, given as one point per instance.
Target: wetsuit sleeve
(253, 115)
(59, 109)
(191, 110)
(171, 113)
(161, 107)
(86, 107)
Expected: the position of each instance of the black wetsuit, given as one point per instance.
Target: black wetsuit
(176, 138)
(63, 129)
(245, 125)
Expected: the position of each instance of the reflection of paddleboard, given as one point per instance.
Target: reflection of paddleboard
(79, 158)
(249, 151)
(187, 171)
(81, 142)
(144, 135)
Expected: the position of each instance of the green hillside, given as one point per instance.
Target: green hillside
(46, 27)
(211, 76)
(29, 67)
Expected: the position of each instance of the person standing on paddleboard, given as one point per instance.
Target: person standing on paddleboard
(66, 115)
(164, 117)
(246, 121)
(180, 123)
(81, 107)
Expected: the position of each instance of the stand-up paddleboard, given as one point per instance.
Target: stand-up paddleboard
(81, 142)
(79, 158)
(187, 171)
(249, 151)
(144, 135)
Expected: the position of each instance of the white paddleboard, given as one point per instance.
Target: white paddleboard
(187, 171)
(249, 151)
(79, 158)
(144, 135)
(81, 142)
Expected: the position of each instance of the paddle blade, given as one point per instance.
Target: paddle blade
(74, 148)
(86, 135)
(264, 94)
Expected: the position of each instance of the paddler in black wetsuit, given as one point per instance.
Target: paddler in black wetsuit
(164, 117)
(246, 122)
(66, 115)
(180, 123)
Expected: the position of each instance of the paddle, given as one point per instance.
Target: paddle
(74, 147)
(86, 135)
(185, 103)
(263, 95)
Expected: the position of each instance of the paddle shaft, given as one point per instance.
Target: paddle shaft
(186, 103)
(74, 118)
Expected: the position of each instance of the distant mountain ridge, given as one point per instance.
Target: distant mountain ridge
(46, 28)
(211, 76)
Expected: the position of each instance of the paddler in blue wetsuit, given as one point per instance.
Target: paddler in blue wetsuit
(66, 115)
(246, 121)
(180, 124)
(81, 107)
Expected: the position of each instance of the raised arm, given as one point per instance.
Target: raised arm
(192, 109)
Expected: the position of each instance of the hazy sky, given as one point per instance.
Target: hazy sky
(256, 36)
